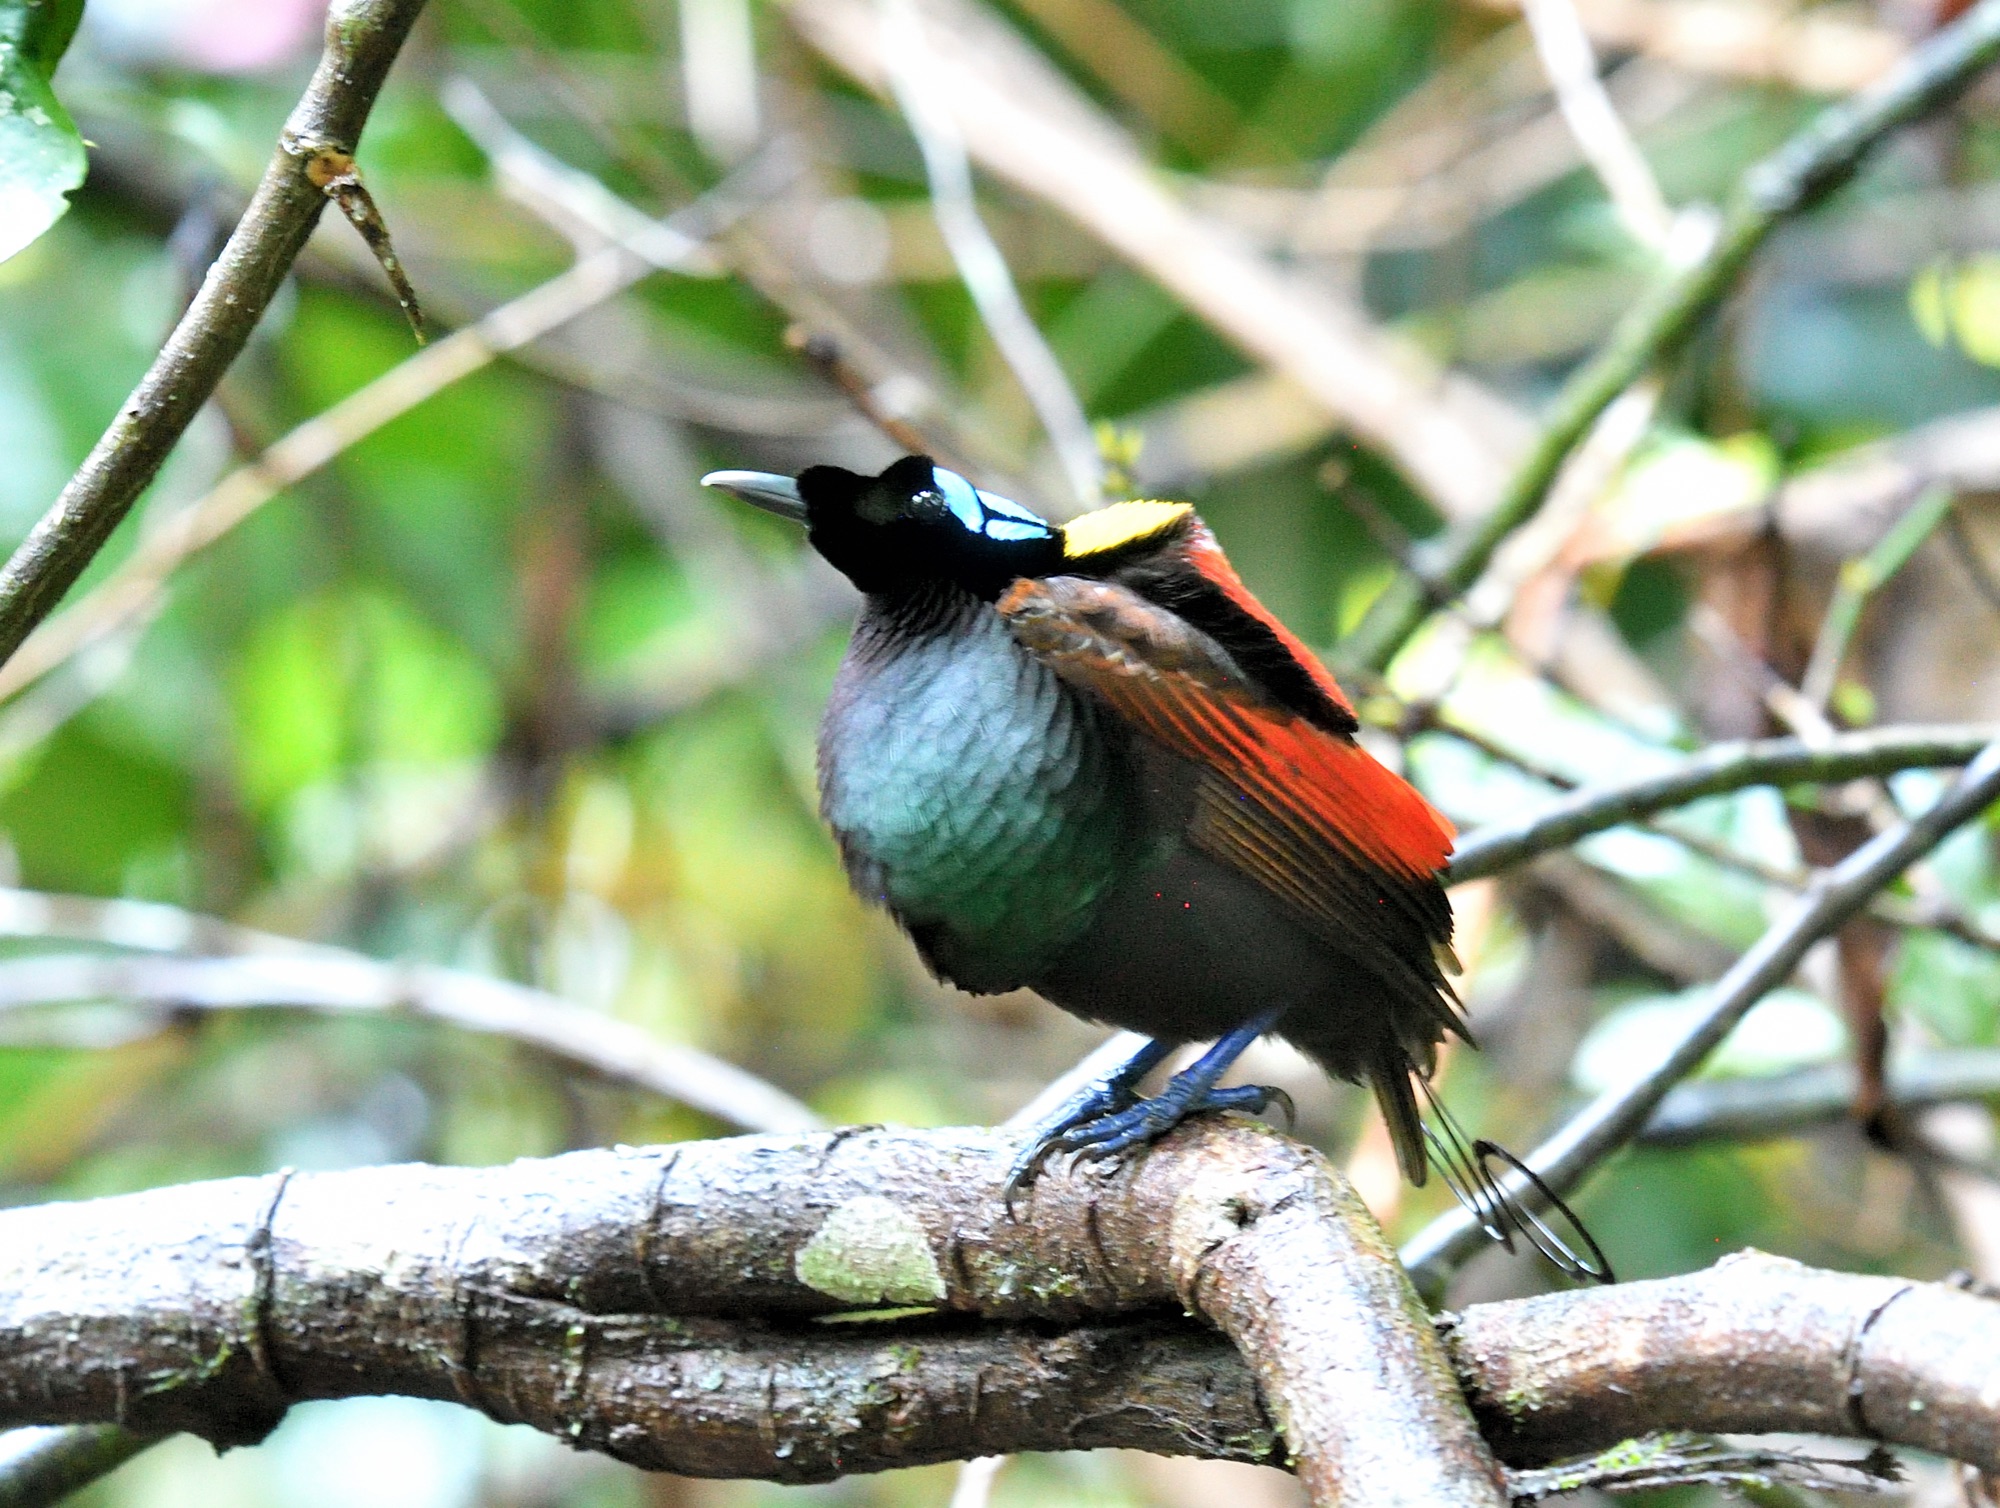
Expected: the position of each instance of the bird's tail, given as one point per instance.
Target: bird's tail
(1430, 1137)
(1395, 1092)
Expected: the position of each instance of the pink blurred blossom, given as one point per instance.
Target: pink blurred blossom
(214, 36)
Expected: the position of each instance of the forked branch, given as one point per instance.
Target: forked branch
(699, 1309)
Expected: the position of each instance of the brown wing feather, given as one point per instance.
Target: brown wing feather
(1344, 843)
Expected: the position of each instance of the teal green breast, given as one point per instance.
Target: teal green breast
(985, 803)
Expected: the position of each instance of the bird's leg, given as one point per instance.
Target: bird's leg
(1190, 1092)
(1100, 1097)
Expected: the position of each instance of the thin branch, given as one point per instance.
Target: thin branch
(980, 264)
(1617, 1115)
(1703, 1110)
(1025, 123)
(1715, 771)
(974, 1488)
(1858, 580)
(894, 399)
(1969, 558)
(1846, 505)
(1600, 135)
(1819, 51)
(869, 399)
(1113, 1053)
(651, 1302)
(1791, 180)
(330, 981)
(658, 1305)
(246, 968)
(362, 40)
(41, 1465)
(134, 588)
(1682, 1460)
(1937, 912)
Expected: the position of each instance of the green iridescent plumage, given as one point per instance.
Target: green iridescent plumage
(974, 794)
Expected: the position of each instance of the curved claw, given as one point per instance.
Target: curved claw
(1102, 1121)
(1093, 1102)
(1276, 1096)
(1109, 1136)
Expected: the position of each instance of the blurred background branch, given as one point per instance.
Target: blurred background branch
(1801, 173)
(362, 40)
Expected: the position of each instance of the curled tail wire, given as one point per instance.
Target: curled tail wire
(1467, 1169)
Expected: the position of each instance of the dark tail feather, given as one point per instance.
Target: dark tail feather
(1392, 1081)
(1467, 1171)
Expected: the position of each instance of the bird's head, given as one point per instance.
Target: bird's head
(913, 524)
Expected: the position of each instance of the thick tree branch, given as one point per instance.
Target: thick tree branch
(362, 40)
(1793, 179)
(681, 1308)
(210, 1308)
(1754, 1344)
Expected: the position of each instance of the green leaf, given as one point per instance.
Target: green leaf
(41, 153)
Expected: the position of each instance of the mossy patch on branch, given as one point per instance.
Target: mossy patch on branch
(870, 1251)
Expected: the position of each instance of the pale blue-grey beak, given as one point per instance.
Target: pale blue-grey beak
(761, 489)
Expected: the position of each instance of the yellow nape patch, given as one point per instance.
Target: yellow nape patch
(1119, 525)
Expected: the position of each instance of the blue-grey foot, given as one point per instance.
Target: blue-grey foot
(1101, 1097)
(1103, 1120)
(1146, 1122)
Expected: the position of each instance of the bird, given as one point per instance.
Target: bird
(1084, 759)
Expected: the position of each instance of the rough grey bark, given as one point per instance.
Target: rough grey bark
(718, 1309)
(638, 1301)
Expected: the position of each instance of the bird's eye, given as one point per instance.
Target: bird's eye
(961, 497)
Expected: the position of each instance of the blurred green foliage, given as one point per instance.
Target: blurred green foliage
(500, 688)
(41, 153)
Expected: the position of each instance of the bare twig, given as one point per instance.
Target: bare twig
(693, 1309)
(1617, 1115)
(1793, 179)
(362, 40)
(980, 265)
(1493, 847)
(974, 1488)
(134, 587)
(1781, 1104)
(247, 968)
(335, 173)
(1859, 579)
(1716, 770)
(1819, 51)
(328, 979)
(44, 1465)
(1566, 56)
(1682, 1460)
(1023, 122)
(1113, 1053)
